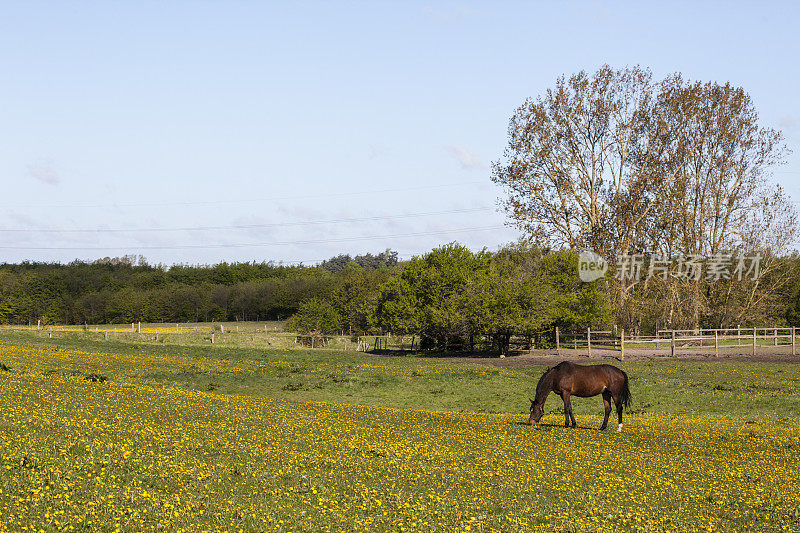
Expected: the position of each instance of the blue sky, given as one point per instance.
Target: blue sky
(199, 132)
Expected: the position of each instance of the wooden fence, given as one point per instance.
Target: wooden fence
(676, 340)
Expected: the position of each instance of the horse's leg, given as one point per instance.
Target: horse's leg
(607, 405)
(572, 415)
(618, 403)
(568, 411)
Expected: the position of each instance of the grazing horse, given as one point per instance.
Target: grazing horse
(568, 379)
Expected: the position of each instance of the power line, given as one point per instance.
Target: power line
(250, 245)
(243, 226)
(245, 200)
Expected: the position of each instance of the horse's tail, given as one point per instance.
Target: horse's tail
(625, 393)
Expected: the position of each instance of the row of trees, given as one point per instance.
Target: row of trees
(125, 290)
(451, 298)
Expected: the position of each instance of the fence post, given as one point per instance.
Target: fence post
(672, 344)
(622, 344)
(558, 342)
(140, 327)
(656, 338)
(793, 352)
(738, 335)
(212, 338)
(775, 338)
(754, 341)
(589, 341)
(716, 343)
(38, 325)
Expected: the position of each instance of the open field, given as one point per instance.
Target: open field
(223, 438)
(261, 335)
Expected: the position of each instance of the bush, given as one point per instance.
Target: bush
(314, 315)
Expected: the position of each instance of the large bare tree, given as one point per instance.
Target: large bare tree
(621, 164)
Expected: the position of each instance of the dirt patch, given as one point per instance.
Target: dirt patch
(544, 358)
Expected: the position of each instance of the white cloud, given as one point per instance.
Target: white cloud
(466, 158)
(44, 171)
(24, 220)
(788, 122)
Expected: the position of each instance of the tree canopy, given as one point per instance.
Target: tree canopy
(622, 164)
(452, 296)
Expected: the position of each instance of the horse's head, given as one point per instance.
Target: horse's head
(537, 410)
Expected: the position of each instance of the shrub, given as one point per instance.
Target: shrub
(314, 315)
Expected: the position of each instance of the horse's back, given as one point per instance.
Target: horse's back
(588, 380)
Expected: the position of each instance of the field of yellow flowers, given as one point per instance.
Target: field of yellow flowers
(131, 455)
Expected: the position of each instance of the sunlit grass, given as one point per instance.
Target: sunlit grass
(145, 451)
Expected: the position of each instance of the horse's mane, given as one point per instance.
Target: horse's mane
(543, 382)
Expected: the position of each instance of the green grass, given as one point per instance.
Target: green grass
(744, 390)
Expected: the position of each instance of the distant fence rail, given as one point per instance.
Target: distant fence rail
(232, 334)
(668, 342)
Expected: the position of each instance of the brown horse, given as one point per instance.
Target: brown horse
(568, 379)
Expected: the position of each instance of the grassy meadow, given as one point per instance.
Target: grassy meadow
(229, 438)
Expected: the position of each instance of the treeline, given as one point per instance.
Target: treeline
(122, 290)
(450, 298)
